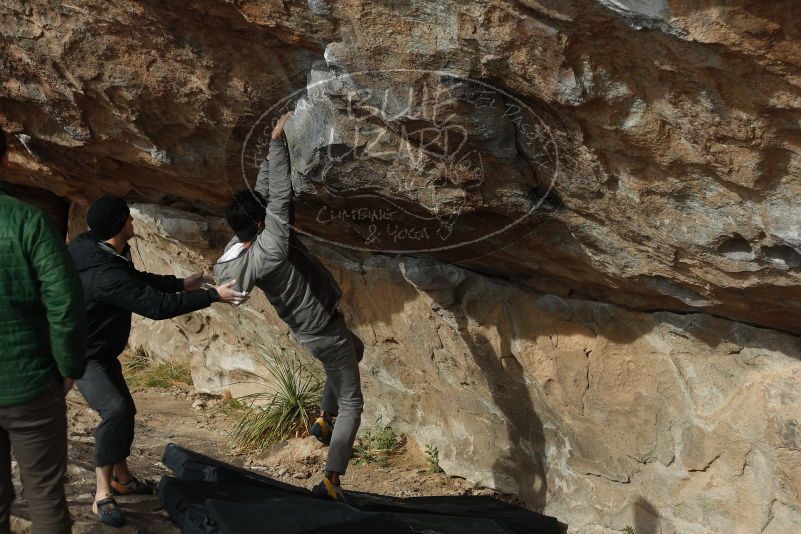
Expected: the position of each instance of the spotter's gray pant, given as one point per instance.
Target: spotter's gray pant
(339, 350)
(104, 388)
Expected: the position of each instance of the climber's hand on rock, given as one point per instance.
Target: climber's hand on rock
(196, 281)
(228, 294)
(278, 131)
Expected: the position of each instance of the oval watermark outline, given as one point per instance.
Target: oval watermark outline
(461, 244)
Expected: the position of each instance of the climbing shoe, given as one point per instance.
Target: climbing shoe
(132, 487)
(328, 490)
(322, 429)
(109, 514)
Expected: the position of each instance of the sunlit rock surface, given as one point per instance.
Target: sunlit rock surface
(602, 417)
(546, 216)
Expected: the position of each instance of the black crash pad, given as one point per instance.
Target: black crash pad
(207, 496)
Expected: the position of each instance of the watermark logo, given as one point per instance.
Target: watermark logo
(407, 161)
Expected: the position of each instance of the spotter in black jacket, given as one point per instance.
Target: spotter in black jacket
(114, 289)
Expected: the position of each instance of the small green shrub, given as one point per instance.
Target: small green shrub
(289, 405)
(376, 446)
(229, 406)
(432, 456)
(628, 530)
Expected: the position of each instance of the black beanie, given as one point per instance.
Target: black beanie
(106, 216)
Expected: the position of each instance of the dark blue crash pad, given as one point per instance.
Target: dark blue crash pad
(210, 497)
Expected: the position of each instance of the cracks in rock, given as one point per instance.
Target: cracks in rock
(372, 330)
(627, 480)
(745, 462)
(684, 384)
(770, 516)
(646, 459)
(587, 353)
(707, 466)
(554, 338)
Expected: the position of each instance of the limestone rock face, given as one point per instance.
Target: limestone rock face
(639, 152)
(601, 416)
(567, 230)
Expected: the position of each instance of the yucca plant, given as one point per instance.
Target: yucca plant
(287, 408)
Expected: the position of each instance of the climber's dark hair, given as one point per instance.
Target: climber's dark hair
(3, 143)
(244, 213)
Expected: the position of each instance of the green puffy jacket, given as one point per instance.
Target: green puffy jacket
(42, 325)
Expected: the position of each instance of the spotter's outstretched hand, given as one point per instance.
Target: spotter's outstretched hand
(230, 295)
(196, 281)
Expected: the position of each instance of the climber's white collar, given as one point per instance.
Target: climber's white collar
(233, 252)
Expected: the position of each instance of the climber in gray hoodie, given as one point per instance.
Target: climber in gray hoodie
(267, 254)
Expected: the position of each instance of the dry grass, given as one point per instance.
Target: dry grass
(142, 372)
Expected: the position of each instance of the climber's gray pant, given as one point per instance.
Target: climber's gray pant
(339, 350)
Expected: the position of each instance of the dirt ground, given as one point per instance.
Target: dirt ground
(204, 424)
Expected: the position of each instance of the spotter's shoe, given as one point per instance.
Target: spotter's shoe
(328, 490)
(322, 429)
(109, 514)
(132, 487)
